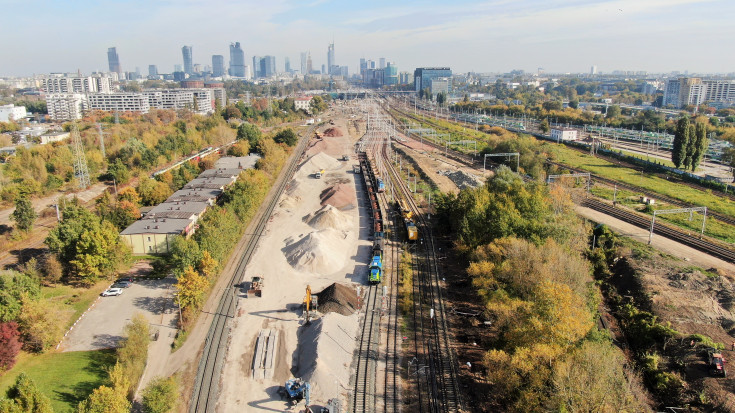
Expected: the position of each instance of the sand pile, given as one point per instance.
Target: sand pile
(338, 298)
(328, 217)
(340, 196)
(320, 161)
(325, 354)
(289, 202)
(333, 132)
(319, 252)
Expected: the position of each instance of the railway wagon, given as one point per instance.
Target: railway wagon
(381, 185)
(412, 232)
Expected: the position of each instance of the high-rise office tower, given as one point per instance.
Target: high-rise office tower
(113, 60)
(152, 70)
(237, 60)
(363, 65)
(330, 58)
(218, 65)
(303, 63)
(382, 63)
(287, 65)
(256, 67)
(324, 69)
(309, 67)
(188, 61)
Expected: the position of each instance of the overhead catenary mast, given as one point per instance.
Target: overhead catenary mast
(81, 172)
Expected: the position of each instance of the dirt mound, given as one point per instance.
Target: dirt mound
(289, 202)
(333, 132)
(462, 179)
(319, 252)
(320, 161)
(328, 217)
(338, 298)
(340, 196)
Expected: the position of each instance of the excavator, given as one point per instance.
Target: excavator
(307, 303)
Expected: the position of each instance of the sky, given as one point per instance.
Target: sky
(481, 36)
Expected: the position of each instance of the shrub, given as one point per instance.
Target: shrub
(10, 344)
(161, 395)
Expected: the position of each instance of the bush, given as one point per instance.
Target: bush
(10, 344)
(161, 395)
(24, 396)
(133, 354)
(287, 136)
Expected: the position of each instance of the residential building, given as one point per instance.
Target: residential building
(74, 83)
(186, 51)
(12, 112)
(237, 60)
(119, 102)
(113, 60)
(303, 102)
(695, 91)
(330, 57)
(49, 137)
(422, 76)
(66, 106)
(563, 134)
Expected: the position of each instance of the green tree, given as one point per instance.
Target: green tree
(24, 214)
(161, 395)
(701, 143)
(441, 98)
(681, 140)
(613, 112)
(25, 397)
(317, 104)
(42, 323)
(191, 288)
(287, 136)
(249, 132)
(153, 192)
(14, 286)
(691, 141)
(119, 172)
(133, 354)
(105, 400)
(544, 126)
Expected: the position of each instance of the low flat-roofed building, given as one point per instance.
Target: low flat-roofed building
(221, 173)
(210, 183)
(236, 162)
(564, 134)
(208, 195)
(179, 210)
(154, 236)
(49, 137)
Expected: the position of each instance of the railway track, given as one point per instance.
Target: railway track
(206, 385)
(434, 360)
(668, 232)
(391, 402)
(363, 399)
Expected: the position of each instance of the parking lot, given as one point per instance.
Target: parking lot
(102, 326)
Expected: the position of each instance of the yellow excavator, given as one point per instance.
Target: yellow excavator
(307, 302)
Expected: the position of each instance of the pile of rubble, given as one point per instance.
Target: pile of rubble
(462, 179)
(338, 298)
(333, 132)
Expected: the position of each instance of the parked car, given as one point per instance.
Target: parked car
(121, 284)
(112, 291)
(128, 279)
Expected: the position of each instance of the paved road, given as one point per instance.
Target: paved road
(102, 326)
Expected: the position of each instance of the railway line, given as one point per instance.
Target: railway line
(206, 385)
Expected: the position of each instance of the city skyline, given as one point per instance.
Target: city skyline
(561, 36)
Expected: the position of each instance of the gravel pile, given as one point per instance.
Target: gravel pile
(333, 132)
(462, 179)
(338, 298)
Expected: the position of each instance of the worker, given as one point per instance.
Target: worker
(733, 346)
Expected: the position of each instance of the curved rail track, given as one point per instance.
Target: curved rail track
(206, 385)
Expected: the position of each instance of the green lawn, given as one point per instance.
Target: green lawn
(66, 378)
(77, 298)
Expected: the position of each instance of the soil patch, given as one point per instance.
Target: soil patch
(338, 298)
(340, 196)
(333, 132)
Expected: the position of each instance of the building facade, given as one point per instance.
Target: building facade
(66, 106)
(72, 83)
(119, 102)
(237, 60)
(563, 134)
(152, 70)
(12, 112)
(186, 51)
(303, 103)
(695, 91)
(422, 76)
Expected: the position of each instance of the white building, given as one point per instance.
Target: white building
(695, 91)
(439, 85)
(65, 83)
(303, 102)
(12, 112)
(66, 106)
(563, 134)
(119, 102)
(53, 137)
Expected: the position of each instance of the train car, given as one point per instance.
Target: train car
(412, 231)
(376, 264)
(381, 185)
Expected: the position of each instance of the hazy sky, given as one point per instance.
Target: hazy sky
(481, 36)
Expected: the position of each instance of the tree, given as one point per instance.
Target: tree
(207, 265)
(161, 395)
(552, 105)
(681, 140)
(287, 136)
(191, 288)
(129, 194)
(24, 214)
(133, 354)
(613, 112)
(239, 148)
(153, 192)
(544, 126)
(441, 98)
(105, 400)
(41, 323)
(52, 270)
(14, 286)
(10, 344)
(119, 172)
(249, 132)
(689, 151)
(701, 143)
(317, 104)
(25, 397)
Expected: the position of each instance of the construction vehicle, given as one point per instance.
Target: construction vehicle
(297, 390)
(256, 287)
(356, 169)
(345, 157)
(716, 362)
(311, 302)
(412, 232)
(318, 174)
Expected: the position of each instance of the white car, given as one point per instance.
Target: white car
(112, 291)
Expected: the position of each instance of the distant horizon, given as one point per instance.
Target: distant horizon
(496, 36)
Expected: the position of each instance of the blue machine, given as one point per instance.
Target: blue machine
(297, 389)
(381, 185)
(376, 265)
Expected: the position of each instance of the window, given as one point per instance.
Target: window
(149, 239)
(150, 248)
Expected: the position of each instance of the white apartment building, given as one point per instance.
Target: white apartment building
(58, 83)
(12, 112)
(303, 103)
(66, 106)
(563, 134)
(176, 99)
(119, 102)
(695, 91)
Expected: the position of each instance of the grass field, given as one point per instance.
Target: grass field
(66, 378)
(76, 298)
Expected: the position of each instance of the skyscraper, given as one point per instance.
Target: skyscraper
(330, 58)
(113, 60)
(382, 63)
(218, 65)
(237, 60)
(309, 68)
(152, 70)
(188, 62)
(303, 63)
(256, 67)
(287, 65)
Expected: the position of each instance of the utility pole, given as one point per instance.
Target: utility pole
(81, 172)
(102, 140)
